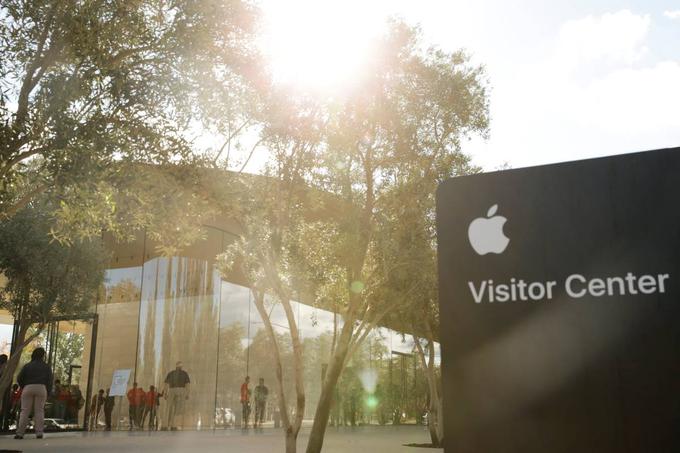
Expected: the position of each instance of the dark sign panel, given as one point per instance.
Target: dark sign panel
(560, 307)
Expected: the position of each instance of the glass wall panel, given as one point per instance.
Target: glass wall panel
(118, 311)
(158, 310)
(260, 359)
(234, 340)
(70, 359)
(179, 321)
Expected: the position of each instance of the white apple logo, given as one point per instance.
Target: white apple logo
(486, 234)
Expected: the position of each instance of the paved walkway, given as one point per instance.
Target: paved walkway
(380, 439)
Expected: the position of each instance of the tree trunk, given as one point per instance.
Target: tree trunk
(432, 427)
(291, 441)
(434, 422)
(440, 419)
(299, 371)
(291, 429)
(323, 408)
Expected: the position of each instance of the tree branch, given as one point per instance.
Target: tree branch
(228, 141)
(23, 201)
(250, 155)
(21, 156)
(28, 83)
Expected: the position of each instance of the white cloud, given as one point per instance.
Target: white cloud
(633, 101)
(672, 14)
(569, 105)
(613, 37)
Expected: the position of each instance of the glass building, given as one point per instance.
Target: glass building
(155, 311)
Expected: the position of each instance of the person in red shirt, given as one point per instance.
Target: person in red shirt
(245, 402)
(63, 397)
(150, 405)
(135, 398)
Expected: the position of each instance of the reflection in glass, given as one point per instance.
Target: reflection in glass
(233, 343)
(118, 311)
(179, 320)
(155, 311)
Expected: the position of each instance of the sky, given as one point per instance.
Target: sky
(569, 79)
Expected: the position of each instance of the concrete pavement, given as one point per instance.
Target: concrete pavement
(380, 439)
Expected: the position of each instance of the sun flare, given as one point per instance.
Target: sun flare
(319, 45)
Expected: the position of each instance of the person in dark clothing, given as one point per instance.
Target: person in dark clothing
(35, 381)
(261, 394)
(5, 402)
(75, 403)
(3, 363)
(176, 391)
(109, 402)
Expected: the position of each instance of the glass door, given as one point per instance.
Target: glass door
(70, 353)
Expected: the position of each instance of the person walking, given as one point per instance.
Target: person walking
(261, 394)
(35, 381)
(245, 402)
(176, 391)
(109, 402)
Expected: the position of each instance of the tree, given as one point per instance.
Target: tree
(45, 279)
(322, 227)
(69, 350)
(91, 92)
(410, 232)
(405, 123)
(270, 211)
(422, 320)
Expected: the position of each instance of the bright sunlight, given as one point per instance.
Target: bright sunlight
(320, 45)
